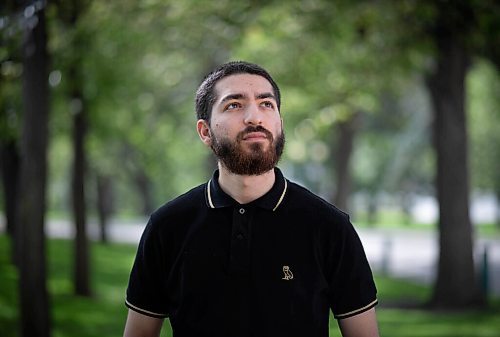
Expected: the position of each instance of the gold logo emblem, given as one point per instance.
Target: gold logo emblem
(288, 273)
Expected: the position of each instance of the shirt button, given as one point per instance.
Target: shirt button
(242, 211)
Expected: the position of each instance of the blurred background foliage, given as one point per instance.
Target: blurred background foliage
(353, 63)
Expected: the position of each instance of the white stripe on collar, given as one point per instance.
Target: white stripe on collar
(282, 196)
(209, 194)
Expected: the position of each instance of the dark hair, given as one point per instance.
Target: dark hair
(205, 95)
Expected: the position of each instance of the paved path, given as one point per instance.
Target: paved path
(413, 255)
(404, 254)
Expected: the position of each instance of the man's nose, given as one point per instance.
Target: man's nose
(253, 115)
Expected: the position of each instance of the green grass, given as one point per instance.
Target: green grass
(395, 219)
(415, 321)
(104, 313)
(489, 230)
(385, 219)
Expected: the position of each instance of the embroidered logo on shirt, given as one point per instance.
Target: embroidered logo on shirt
(288, 273)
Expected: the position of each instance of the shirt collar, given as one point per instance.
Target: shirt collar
(217, 198)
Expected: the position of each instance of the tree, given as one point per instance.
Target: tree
(70, 13)
(10, 111)
(451, 34)
(34, 301)
(346, 134)
(104, 203)
(456, 265)
(452, 26)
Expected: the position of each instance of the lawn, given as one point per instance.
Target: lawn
(104, 313)
(395, 219)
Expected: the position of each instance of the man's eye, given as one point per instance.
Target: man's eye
(232, 106)
(269, 105)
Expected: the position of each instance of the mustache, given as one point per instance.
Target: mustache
(258, 128)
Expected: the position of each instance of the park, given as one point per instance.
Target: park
(390, 109)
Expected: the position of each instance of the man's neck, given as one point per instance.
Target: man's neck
(245, 189)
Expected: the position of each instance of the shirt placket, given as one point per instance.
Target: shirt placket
(240, 240)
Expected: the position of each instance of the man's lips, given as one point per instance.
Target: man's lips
(255, 136)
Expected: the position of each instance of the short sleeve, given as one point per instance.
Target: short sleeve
(352, 288)
(146, 291)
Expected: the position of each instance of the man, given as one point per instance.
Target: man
(249, 253)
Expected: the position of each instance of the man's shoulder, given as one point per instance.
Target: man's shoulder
(302, 198)
(188, 202)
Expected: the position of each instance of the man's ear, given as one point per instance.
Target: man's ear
(204, 132)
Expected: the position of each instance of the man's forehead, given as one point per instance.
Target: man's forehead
(243, 84)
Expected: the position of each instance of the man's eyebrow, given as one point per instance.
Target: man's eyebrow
(266, 95)
(231, 97)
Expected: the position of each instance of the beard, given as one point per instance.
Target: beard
(255, 160)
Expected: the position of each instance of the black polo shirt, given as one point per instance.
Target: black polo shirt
(272, 267)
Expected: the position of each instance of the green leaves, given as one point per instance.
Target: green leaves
(142, 62)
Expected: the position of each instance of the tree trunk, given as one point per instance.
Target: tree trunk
(143, 184)
(104, 203)
(456, 285)
(10, 176)
(81, 271)
(140, 179)
(81, 249)
(34, 300)
(346, 131)
(9, 140)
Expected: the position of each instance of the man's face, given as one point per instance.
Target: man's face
(246, 127)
